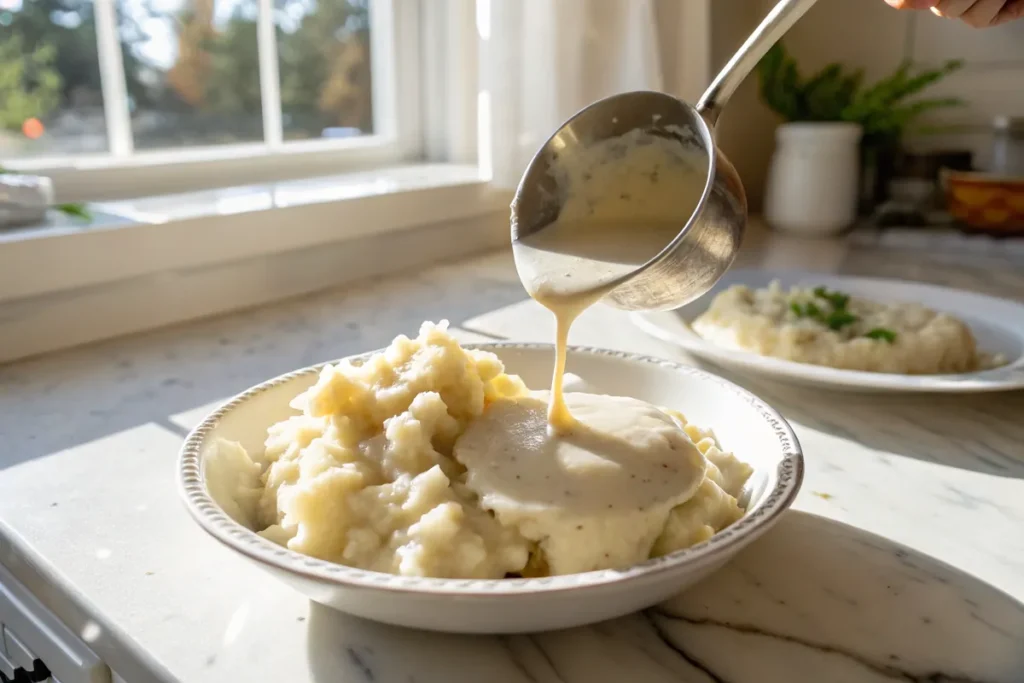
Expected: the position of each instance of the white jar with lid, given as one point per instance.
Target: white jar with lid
(1007, 146)
(814, 177)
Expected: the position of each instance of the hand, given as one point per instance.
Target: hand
(977, 13)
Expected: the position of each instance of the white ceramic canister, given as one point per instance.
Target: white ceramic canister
(814, 177)
(24, 199)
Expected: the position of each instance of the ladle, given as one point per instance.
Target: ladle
(707, 243)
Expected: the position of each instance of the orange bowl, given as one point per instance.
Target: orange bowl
(984, 202)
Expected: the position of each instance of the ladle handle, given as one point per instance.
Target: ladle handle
(772, 28)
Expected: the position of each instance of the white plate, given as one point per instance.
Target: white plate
(998, 325)
(743, 424)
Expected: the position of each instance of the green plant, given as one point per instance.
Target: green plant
(29, 83)
(884, 109)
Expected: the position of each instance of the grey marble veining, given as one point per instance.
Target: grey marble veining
(816, 601)
(903, 561)
(940, 474)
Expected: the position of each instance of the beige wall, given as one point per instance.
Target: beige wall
(868, 34)
(745, 128)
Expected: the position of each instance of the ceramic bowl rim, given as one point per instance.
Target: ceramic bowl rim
(209, 515)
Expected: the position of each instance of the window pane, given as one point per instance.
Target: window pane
(323, 50)
(51, 101)
(192, 70)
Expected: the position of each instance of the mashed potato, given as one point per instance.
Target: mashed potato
(823, 327)
(364, 476)
(386, 468)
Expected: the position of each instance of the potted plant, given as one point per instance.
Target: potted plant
(834, 125)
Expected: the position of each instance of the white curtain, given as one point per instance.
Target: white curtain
(543, 60)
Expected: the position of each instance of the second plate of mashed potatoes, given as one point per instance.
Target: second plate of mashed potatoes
(830, 327)
(851, 332)
(427, 459)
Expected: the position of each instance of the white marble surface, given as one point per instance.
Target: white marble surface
(904, 561)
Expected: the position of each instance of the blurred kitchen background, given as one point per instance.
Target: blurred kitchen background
(858, 34)
(164, 160)
(191, 73)
(192, 79)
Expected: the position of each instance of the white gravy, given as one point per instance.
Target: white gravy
(597, 497)
(625, 200)
(591, 478)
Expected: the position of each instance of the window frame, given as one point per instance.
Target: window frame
(122, 172)
(426, 196)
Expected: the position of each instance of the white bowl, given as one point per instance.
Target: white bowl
(743, 424)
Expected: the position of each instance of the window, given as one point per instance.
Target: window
(51, 97)
(150, 86)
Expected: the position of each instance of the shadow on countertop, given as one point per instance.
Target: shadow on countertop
(813, 600)
(64, 399)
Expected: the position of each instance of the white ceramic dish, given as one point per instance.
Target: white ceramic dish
(998, 325)
(743, 423)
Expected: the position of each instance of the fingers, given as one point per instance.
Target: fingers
(977, 13)
(1014, 9)
(912, 4)
(953, 9)
(983, 13)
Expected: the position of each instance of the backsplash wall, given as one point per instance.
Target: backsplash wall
(869, 34)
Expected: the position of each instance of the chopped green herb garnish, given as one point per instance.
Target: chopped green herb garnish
(807, 310)
(882, 334)
(837, 299)
(836, 320)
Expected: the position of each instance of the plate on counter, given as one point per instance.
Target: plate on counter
(997, 325)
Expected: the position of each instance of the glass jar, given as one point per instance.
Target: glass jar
(1007, 146)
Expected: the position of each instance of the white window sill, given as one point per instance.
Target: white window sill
(161, 260)
(203, 228)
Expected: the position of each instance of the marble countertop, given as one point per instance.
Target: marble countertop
(902, 561)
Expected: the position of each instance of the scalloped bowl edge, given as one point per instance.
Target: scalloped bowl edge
(413, 601)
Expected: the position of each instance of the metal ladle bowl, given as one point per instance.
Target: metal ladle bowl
(706, 245)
